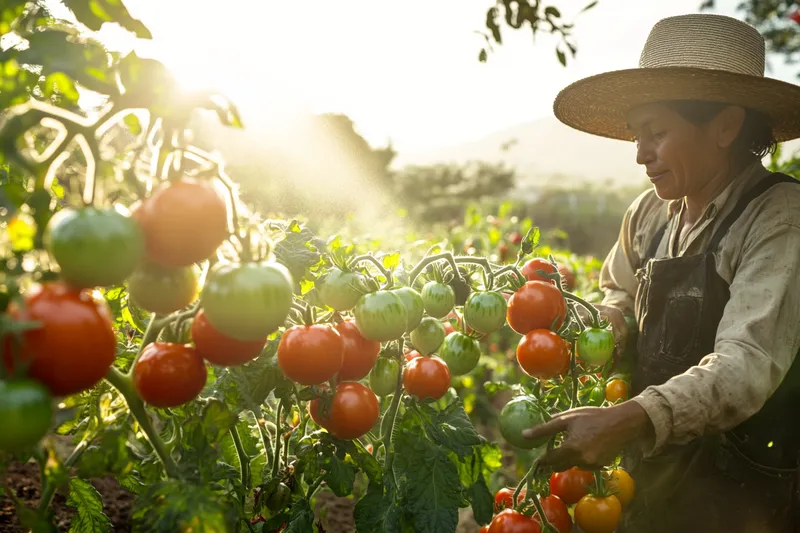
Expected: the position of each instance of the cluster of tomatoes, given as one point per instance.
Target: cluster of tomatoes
(595, 511)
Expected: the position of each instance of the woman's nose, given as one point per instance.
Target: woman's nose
(644, 153)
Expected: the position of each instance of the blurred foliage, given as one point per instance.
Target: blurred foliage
(777, 20)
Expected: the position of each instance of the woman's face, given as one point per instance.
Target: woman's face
(680, 157)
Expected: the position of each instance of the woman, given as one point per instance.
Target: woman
(708, 261)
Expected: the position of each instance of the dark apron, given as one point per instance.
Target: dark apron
(743, 481)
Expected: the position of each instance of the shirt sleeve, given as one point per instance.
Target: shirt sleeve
(756, 343)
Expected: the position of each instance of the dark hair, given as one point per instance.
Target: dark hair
(756, 136)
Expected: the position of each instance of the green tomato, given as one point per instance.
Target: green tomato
(597, 395)
(341, 290)
(485, 312)
(26, 412)
(94, 247)
(163, 290)
(438, 298)
(519, 414)
(247, 301)
(414, 308)
(381, 316)
(595, 346)
(279, 498)
(383, 376)
(461, 353)
(428, 336)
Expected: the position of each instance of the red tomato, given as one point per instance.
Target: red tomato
(510, 521)
(538, 263)
(411, 355)
(536, 305)
(543, 354)
(354, 410)
(571, 485)
(484, 529)
(169, 374)
(426, 377)
(75, 346)
(556, 512)
(515, 238)
(219, 349)
(360, 354)
(795, 16)
(184, 222)
(502, 252)
(310, 355)
(503, 497)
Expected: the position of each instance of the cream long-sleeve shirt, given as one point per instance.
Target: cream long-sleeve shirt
(759, 333)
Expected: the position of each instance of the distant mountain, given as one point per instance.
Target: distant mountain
(547, 151)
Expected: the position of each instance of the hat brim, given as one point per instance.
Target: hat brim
(600, 104)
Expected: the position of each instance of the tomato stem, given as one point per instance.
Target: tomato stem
(444, 256)
(388, 424)
(314, 486)
(514, 270)
(124, 384)
(49, 489)
(266, 442)
(589, 307)
(276, 458)
(523, 482)
(374, 260)
(244, 463)
(488, 275)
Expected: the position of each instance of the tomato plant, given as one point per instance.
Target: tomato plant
(598, 514)
(557, 513)
(414, 306)
(532, 268)
(383, 377)
(353, 411)
(511, 521)
(621, 484)
(536, 305)
(381, 316)
(438, 299)
(595, 346)
(504, 499)
(94, 247)
(616, 390)
(162, 290)
(340, 289)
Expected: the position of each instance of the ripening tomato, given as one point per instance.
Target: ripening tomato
(621, 485)
(75, 346)
(184, 222)
(571, 485)
(381, 316)
(503, 498)
(360, 354)
(485, 311)
(568, 280)
(543, 354)
(598, 514)
(412, 354)
(536, 305)
(461, 353)
(248, 301)
(341, 290)
(414, 306)
(168, 374)
(616, 390)
(383, 376)
(515, 238)
(310, 355)
(354, 410)
(428, 336)
(529, 269)
(516, 416)
(511, 521)
(484, 529)
(426, 377)
(595, 346)
(556, 512)
(162, 290)
(94, 247)
(438, 298)
(219, 349)
(26, 410)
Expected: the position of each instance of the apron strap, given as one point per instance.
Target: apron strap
(757, 190)
(654, 243)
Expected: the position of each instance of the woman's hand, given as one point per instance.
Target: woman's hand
(595, 435)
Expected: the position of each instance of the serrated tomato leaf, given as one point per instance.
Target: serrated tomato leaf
(452, 429)
(173, 505)
(89, 516)
(301, 518)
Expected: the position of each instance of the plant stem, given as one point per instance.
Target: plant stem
(276, 464)
(488, 275)
(124, 384)
(244, 461)
(523, 482)
(314, 486)
(573, 401)
(444, 256)
(49, 489)
(510, 268)
(265, 439)
(394, 407)
(151, 334)
(378, 265)
(589, 307)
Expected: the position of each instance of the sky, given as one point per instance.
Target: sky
(404, 71)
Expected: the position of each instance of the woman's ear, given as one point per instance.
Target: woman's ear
(727, 125)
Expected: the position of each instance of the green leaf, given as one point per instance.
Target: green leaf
(377, 511)
(391, 261)
(110, 455)
(481, 500)
(340, 476)
(452, 429)
(89, 517)
(94, 13)
(301, 519)
(551, 11)
(562, 57)
(428, 481)
(589, 6)
(174, 505)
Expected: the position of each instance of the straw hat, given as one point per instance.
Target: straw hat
(688, 57)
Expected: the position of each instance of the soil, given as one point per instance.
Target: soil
(23, 480)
